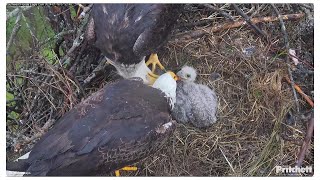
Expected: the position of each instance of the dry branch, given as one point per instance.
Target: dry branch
(286, 41)
(14, 30)
(34, 37)
(16, 11)
(306, 142)
(78, 40)
(58, 36)
(247, 19)
(306, 97)
(98, 70)
(41, 132)
(209, 30)
(221, 12)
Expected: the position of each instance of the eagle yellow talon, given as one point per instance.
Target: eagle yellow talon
(154, 60)
(126, 168)
(117, 172)
(152, 78)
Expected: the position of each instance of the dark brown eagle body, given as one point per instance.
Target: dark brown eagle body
(116, 126)
(125, 33)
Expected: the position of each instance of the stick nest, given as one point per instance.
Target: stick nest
(257, 128)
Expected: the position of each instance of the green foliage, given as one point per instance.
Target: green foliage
(73, 11)
(12, 114)
(41, 28)
(49, 55)
(9, 96)
(23, 42)
(10, 25)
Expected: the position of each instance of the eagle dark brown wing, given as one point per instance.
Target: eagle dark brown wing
(127, 32)
(114, 127)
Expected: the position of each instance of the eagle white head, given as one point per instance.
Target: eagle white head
(167, 84)
(187, 73)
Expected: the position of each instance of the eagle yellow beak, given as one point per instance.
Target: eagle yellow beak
(174, 76)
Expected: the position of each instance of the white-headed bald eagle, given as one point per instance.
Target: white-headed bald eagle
(127, 33)
(120, 124)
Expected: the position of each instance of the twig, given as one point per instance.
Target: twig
(58, 36)
(34, 37)
(247, 19)
(306, 6)
(98, 70)
(294, 141)
(306, 97)
(41, 132)
(307, 12)
(209, 30)
(259, 9)
(14, 30)
(77, 59)
(78, 40)
(16, 11)
(73, 68)
(286, 41)
(196, 23)
(306, 142)
(71, 76)
(301, 60)
(221, 12)
(227, 160)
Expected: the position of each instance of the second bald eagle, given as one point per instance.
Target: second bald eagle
(127, 33)
(120, 124)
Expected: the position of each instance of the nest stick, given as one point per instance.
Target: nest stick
(196, 23)
(217, 28)
(286, 41)
(247, 19)
(221, 12)
(98, 70)
(227, 160)
(306, 142)
(57, 36)
(78, 40)
(306, 97)
(41, 132)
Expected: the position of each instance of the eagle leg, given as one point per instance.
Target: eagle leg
(154, 60)
(152, 78)
(126, 168)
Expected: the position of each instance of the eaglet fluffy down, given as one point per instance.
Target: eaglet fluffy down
(195, 103)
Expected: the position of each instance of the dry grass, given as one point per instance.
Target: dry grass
(253, 107)
(254, 103)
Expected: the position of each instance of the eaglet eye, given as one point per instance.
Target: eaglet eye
(188, 75)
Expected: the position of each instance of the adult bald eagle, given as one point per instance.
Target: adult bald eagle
(127, 33)
(120, 124)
